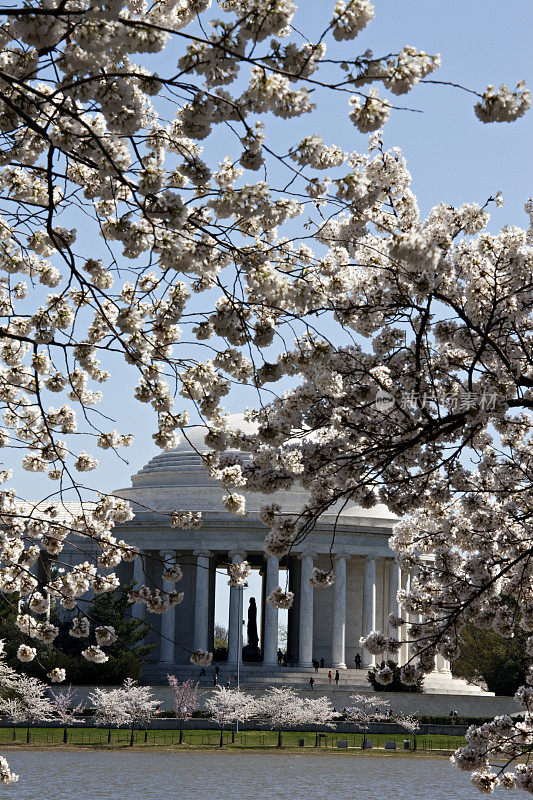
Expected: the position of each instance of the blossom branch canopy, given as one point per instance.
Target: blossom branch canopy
(98, 147)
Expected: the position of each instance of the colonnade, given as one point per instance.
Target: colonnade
(304, 601)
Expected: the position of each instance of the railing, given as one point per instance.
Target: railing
(202, 738)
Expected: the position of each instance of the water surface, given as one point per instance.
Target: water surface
(98, 775)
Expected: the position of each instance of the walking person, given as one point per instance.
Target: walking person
(228, 682)
(215, 679)
(315, 665)
(311, 682)
(337, 677)
(330, 677)
(235, 676)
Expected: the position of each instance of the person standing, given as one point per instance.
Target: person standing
(357, 660)
(330, 677)
(215, 679)
(235, 676)
(337, 677)
(322, 663)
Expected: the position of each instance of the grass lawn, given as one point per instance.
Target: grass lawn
(211, 738)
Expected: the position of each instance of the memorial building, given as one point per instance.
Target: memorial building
(322, 623)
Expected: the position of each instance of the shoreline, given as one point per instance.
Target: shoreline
(233, 749)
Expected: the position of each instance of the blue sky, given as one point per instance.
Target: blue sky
(453, 157)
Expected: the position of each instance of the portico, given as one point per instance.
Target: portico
(322, 623)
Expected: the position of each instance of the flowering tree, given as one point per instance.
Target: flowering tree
(108, 709)
(364, 709)
(137, 704)
(283, 708)
(411, 724)
(92, 140)
(66, 711)
(319, 711)
(229, 706)
(184, 699)
(27, 702)
(129, 705)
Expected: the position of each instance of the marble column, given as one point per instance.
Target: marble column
(270, 634)
(235, 613)
(369, 607)
(442, 664)
(338, 640)
(408, 618)
(138, 609)
(168, 619)
(201, 600)
(395, 582)
(305, 655)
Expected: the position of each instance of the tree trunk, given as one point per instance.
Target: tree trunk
(65, 735)
(316, 738)
(221, 736)
(279, 738)
(28, 734)
(109, 735)
(414, 741)
(145, 735)
(364, 738)
(233, 735)
(14, 733)
(181, 732)
(131, 736)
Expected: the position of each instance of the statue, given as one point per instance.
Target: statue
(251, 630)
(251, 651)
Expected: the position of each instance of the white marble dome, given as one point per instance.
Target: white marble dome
(177, 480)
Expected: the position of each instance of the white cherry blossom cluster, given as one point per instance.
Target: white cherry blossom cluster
(376, 643)
(57, 675)
(351, 17)
(503, 104)
(280, 599)
(95, 654)
(26, 653)
(201, 658)
(173, 573)
(105, 635)
(156, 600)
(186, 520)
(238, 573)
(321, 578)
(370, 113)
(6, 774)
(81, 628)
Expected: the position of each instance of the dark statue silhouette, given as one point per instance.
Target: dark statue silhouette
(251, 630)
(251, 651)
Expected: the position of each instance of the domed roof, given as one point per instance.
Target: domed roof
(178, 480)
(171, 468)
